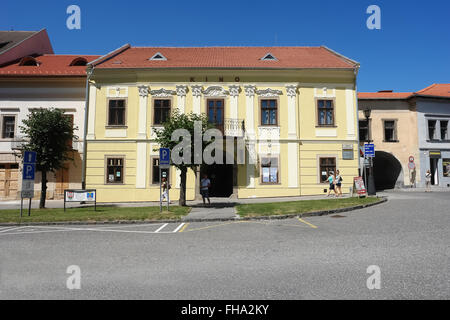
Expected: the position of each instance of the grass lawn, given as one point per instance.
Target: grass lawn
(298, 207)
(88, 214)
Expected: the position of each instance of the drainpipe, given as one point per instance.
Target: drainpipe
(89, 72)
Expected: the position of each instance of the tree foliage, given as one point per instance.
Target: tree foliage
(164, 139)
(48, 133)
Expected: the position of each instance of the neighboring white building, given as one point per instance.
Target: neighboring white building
(433, 112)
(47, 81)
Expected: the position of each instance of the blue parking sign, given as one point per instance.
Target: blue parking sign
(28, 171)
(164, 157)
(369, 150)
(29, 157)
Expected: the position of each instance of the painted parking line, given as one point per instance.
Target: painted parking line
(215, 226)
(161, 228)
(307, 223)
(184, 227)
(11, 229)
(179, 227)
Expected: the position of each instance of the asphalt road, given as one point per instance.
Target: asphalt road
(408, 238)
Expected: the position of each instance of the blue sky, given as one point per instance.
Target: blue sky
(410, 52)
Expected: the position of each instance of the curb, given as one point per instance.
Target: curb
(138, 222)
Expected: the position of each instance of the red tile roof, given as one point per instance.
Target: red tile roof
(49, 65)
(384, 95)
(440, 90)
(436, 90)
(227, 57)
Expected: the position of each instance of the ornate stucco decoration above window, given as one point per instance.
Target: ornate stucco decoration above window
(163, 93)
(116, 92)
(216, 91)
(143, 91)
(269, 93)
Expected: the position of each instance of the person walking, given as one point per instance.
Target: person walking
(339, 183)
(428, 181)
(165, 190)
(205, 184)
(332, 182)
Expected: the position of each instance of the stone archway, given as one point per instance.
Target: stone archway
(388, 171)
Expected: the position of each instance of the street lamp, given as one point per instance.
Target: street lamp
(371, 190)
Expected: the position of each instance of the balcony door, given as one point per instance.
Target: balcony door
(216, 113)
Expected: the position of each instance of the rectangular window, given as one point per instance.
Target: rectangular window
(114, 170)
(446, 167)
(116, 113)
(162, 111)
(269, 112)
(327, 165)
(8, 127)
(269, 171)
(325, 111)
(431, 129)
(390, 131)
(155, 172)
(444, 130)
(363, 130)
(216, 113)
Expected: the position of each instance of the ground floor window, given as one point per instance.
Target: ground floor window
(156, 179)
(327, 166)
(446, 167)
(269, 170)
(114, 170)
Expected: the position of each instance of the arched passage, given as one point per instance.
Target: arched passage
(388, 172)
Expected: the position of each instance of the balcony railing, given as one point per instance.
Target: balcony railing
(231, 127)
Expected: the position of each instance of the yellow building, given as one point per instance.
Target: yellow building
(294, 107)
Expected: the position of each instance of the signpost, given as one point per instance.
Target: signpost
(164, 164)
(369, 150)
(80, 196)
(360, 187)
(28, 176)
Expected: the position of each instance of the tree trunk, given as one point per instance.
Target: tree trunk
(183, 174)
(43, 190)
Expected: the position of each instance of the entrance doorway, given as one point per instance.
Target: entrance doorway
(9, 181)
(221, 176)
(434, 172)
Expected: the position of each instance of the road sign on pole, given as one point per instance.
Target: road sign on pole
(164, 158)
(28, 176)
(369, 150)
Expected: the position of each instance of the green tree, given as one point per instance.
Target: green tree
(164, 138)
(48, 133)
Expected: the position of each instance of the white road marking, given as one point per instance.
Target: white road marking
(179, 227)
(165, 225)
(11, 229)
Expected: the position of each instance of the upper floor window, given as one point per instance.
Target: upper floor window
(116, 112)
(269, 112)
(325, 111)
(162, 111)
(444, 130)
(8, 127)
(432, 129)
(390, 130)
(364, 130)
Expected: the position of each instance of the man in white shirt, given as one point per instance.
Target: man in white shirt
(205, 184)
